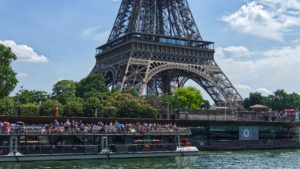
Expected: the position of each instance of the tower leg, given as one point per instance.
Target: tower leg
(135, 74)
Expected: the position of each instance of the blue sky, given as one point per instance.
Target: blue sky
(257, 41)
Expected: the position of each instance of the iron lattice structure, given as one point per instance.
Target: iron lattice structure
(155, 46)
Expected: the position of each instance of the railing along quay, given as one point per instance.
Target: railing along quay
(236, 116)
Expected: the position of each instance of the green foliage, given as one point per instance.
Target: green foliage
(7, 106)
(31, 96)
(93, 105)
(205, 104)
(167, 100)
(74, 107)
(281, 100)
(29, 109)
(131, 91)
(92, 86)
(294, 101)
(187, 98)
(8, 80)
(63, 90)
(129, 106)
(254, 98)
(110, 111)
(49, 107)
(132, 109)
(278, 101)
(156, 102)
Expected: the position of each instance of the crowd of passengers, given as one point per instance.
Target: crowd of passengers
(69, 127)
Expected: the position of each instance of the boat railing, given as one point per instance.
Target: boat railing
(135, 148)
(58, 149)
(116, 131)
(4, 150)
(228, 115)
(90, 149)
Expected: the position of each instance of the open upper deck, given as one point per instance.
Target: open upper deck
(95, 129)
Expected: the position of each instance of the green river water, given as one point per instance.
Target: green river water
(275, 159)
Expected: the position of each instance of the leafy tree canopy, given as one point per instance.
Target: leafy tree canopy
(187, 98)
(205, 104)
(31, 96)
(278, 101)
(93, 105)
(8, 80)
(156, 102)
(129, 106)
(49, 107)
(29, 109)
(110, 111)
(281, 100)
(74, 107)
(93, 85)
(64, 90)
(7, 106)
(254, 98)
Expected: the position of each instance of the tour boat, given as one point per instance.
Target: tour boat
(43, 144)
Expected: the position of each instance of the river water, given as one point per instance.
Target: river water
(275, 159)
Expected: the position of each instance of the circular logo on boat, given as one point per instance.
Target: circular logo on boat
(246, 133)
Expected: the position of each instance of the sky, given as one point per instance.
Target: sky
(257, 42)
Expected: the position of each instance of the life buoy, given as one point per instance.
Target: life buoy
(246, 133)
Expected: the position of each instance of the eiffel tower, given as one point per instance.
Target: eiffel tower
(155, 46)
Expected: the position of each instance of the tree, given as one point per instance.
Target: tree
(131, 109)
(8, 80)
(294, 101)
(49, 106)
(93, 105)
(205, 104)
(74, 107)
(254, 98)
(63, 90)
(189, 98)
(7, 106)
(29, 109)
(92, 86)
(131, 91)
(157, 102)
(31, 96)
(147, 111)
(110, 111)
(279, 101)
(129, 106)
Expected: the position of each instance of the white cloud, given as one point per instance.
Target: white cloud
(242, 87)
(272, 69)
(266, 18)
(20, 75)
(96, 33)
(264, 91)
(24, 52)
(233, 51)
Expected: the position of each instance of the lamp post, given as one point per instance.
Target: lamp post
(168, 110)
(225, 109)
(186, 113)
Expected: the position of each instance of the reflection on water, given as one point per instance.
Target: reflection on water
(277, 159)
